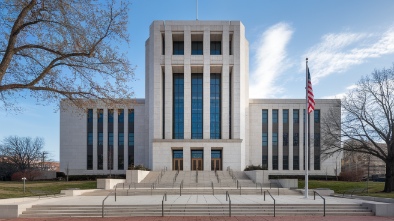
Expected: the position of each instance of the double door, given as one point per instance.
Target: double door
(216, 164)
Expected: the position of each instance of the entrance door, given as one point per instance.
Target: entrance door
(197, 160)
(216, 160)
(177, 160)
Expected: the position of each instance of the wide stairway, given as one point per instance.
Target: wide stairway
(195, 210)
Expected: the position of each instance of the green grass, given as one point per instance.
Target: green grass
(33, 188)
(374, 188)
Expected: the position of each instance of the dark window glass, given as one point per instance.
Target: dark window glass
(90, 116)
(215, 106)
(275, 139)
(285, 139)
(265, 161)
(296, 163)
(90, 138)
(178, 48)
(317, 116)
(265, 116)
(197, 154)
(216, 47)
(285, 162)
(216, 154)
(121, 116)
(197, 106)
(131, 116)
(100, 116)
(197, 48)
(177, 154)
(275, 162)
(296, 116)
(110, 116)
(178, 102)
(121, 139)
(274, 116)
(285, 116)
(111, 139)
(131, 139)
(317, 140)
(100, 139)
(295, 139)
(265, 139)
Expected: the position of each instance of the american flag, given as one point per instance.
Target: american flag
(311, 100)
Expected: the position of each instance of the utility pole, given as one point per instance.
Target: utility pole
(43, 159)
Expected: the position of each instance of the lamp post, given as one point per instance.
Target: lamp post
(24, 180)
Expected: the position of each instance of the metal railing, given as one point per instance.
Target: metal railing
(102, 204)
(273, 199)
(197, 176)
(213, 189)
(229, 203)
(324, 201)
(180, 188)
(162, 203)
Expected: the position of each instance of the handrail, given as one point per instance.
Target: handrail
(324, 201)
(102, 204)
(162, 203)
(115, 193)
(197, 176)
(229, 202)
(272, 198)
(180, 188)
(213, 189)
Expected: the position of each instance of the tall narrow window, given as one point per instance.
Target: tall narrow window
(197, 106)
(121, 139)
(285, 139)
(100, 136)
(296, 137)
(89, 156)
(131, 138)
(110, 144)
(317, 149)
(178, 111)
(275, 149)
(215, 106)
(265, 139)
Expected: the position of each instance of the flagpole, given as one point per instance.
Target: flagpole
(306, 132)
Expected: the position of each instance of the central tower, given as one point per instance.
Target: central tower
(197, 95)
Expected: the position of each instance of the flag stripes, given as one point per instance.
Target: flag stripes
(311, 100)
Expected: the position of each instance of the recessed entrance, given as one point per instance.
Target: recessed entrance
(197, 160)
(216, 160)
(177, 160)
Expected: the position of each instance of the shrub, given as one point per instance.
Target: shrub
(351, 175)
(138, 167)
(253, 167)
(29, 174)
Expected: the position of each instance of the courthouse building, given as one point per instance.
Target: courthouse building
(196, 115)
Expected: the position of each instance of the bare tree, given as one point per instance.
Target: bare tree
(367, 122)
(63, 49)
(24, 153)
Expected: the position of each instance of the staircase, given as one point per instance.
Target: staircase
(195, 210)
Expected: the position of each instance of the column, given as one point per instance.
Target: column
(187, 84)
(95, 139)
(206, 84)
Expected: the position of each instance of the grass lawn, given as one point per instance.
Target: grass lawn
(374, 188)
(12, 189)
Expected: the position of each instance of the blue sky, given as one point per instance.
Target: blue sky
(343, 40)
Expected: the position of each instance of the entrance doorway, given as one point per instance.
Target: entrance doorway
(177, 160)
(216, 160)
(197, 160)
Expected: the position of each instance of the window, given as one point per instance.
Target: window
(120, 116)
(317, 116)
(120, 139)
(100, 116)
(285, 162)
(90, 116)
(286, 116)
(110, 139)
(275, 162)
(296, 163)
(265, 139)
(131, 139)
(275, 139)
(90, 138)
(296, 118)
(274, 116)
(197, 106)
(131, 116)
(295, 139)
(216, 47)
(178, 105)
(215, 99)
(100, 139)
(178, 48)
(285, 139)
(197, 48)
(265, 116)
(110, 116)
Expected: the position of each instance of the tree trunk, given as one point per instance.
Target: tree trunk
(389, 183)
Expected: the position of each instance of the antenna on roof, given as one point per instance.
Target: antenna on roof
(196, 9)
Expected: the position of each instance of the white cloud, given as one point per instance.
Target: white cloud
(341, 95)
(337, 53)
(270, 61)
